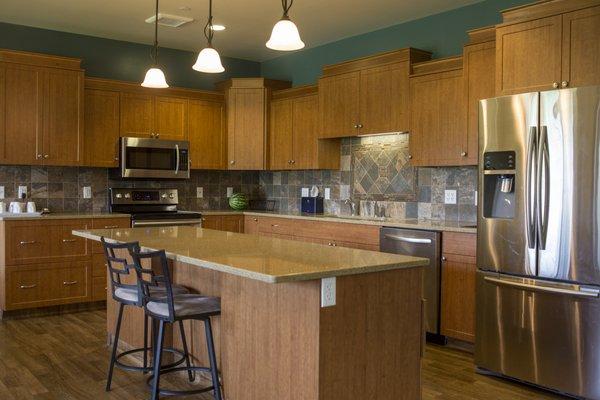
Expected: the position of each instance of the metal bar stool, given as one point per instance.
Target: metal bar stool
(127, 295)
(170, 309)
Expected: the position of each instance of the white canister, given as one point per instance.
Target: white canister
(31, 207)
(2, 207)
(16, 207)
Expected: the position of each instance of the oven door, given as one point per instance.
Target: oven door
(154, 158)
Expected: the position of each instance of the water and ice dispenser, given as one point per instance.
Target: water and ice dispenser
(499, 184)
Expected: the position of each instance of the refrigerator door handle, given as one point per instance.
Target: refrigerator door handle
(543, 159)
(530, 187)
(562, 289)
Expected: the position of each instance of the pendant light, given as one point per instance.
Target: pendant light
(155, 78)
(209, 60)
(285, 35)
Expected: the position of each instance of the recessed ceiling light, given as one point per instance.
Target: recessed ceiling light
(217, 27)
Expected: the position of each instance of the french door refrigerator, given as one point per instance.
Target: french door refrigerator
(538, 249)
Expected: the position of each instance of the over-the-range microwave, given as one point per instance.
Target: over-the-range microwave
(154, 158)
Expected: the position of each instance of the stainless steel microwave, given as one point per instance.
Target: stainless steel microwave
(154, 158)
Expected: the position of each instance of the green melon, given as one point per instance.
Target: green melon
(238, 201)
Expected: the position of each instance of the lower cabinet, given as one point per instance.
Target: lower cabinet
(459, 268)
(229, 223)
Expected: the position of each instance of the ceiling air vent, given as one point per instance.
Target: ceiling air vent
(174, 21)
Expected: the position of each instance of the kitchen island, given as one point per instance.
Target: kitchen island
(274, 339)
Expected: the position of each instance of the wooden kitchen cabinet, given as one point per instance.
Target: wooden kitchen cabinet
(171, 117)
(367, 96)
(137, 115)
(548, 45)
(251, 224)
(101, 133)
(459, 268)
(161, 117)
(293, 132)
(229, 223)
(207, 135)
(438, 121)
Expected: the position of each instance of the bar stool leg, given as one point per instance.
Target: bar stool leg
(157, 359)
(114, 349)
(145, 343)
(191, 374)
(213, 359)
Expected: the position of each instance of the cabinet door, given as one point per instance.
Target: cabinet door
(246, 129)
(528, 56)
(479, 83)
(581, 47)
(137, 115)
(212, 222)
(63, 118)
(101, 133)
(170, 118)
(22, 114)
(458, 297)
(339, 105)
(384, 95)
(208, 140)
(305, 144)
(438, 119)
(232, 223)
(251, 225)
(280, 134)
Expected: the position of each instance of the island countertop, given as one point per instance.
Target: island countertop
(256, 257)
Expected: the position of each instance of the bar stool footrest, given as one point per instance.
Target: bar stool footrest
(129, 367)
(168, 392)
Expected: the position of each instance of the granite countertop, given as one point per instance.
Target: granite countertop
(256, 257)
(75, 215)
(442, 226)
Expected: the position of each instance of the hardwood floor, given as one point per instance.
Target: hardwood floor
(65, 357)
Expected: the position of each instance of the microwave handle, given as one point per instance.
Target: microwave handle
(177, 159)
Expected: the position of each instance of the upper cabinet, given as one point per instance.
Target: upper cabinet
(42, 109)
(146, 115)
(548, 45)
(437, 113)
(293, 132)
(208, 134)
(101, 134)
(247, 102)
(368, 95)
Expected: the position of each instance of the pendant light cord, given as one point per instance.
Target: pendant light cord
(208, 29)
(155, 49)
(286, 7)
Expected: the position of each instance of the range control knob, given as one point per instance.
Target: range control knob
(171, 195)
(163, 196)
(118, 195)
(127, 195)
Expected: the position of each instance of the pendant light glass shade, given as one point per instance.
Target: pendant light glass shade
(285, 36)
(155, 78)
(209, 61)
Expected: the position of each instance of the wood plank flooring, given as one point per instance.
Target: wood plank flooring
(65, 357)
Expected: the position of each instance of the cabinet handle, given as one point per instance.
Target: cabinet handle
(46, 156)
(293, 162)
(355, 126)
(27, 286)
(443, 258)
(116, 158)
(555, 85)
(39, 156)
(232, 162)
(69, 283)
(463, 154)
(564, 84)
(333, 244)
(111, 226)
(410, 156)
(24, 242)
(274, 225)
(255, 219)
(157, 135)
(360, 126)
(69, 240)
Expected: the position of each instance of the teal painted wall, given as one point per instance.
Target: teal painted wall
(443, 34)
(114, 59)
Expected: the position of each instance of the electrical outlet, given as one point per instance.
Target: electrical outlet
(328, 292)
(327, 193)
(199, 192)
(87, 192)
(22, 192)
(229, 191)
(1, 192)
(304, 192)
(450, 197)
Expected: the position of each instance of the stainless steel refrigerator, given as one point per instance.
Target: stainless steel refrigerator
(538, 245)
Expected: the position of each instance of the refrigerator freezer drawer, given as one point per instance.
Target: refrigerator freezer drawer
(540, 332)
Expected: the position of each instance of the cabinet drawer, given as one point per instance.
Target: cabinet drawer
(26, 243)
(281, 226)
(107, 223)
(340, 232)
(464, 244)
(64, 244)
(99, 288)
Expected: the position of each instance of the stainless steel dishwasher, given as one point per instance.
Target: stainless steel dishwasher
(427, 244)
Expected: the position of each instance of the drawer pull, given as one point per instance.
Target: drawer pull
(111, 226)
(69, 240)
(24, 242)
(274, 225)
(69, 283)
(27, 286)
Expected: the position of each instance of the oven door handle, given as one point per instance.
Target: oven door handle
(167, 222)
(176, 159)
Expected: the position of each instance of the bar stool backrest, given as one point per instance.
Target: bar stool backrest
(149, 279)
(120, 266)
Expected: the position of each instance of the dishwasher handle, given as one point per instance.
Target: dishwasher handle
(406, 239)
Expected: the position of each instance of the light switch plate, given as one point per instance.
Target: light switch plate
(476, 197)
(328, 292)
(1, 192)
(87, 192)
(327, 194)
(450, 197)
(304, 192)
(22, 192)
(199, 192)
(229, 191)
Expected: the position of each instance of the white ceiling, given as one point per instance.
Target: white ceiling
(248, 22)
